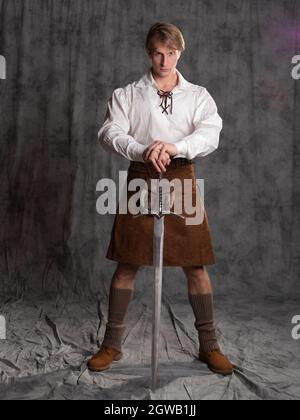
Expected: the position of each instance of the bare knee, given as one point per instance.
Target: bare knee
(124, 275)
(198, 279)
(195, 272)
(196, 275)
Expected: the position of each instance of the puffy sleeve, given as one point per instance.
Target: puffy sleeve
(113, 135)
(208, 125)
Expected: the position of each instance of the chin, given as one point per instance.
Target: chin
(163, 73)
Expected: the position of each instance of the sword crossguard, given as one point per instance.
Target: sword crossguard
(160, 215)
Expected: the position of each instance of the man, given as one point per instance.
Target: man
(160, 124)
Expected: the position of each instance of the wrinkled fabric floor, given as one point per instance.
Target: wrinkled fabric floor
(50, 339)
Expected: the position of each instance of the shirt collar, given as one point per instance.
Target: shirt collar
(148, 80)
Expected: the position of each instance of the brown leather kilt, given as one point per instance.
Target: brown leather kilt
(184, 245)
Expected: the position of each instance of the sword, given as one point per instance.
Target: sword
(162, 208)
(158, 250)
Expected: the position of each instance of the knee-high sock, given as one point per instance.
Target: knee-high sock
(119, 300)
(203, 310)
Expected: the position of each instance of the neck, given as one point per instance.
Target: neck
(166, 83)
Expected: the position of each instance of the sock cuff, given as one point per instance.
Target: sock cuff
(120, 297)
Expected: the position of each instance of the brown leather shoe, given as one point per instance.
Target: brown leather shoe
(104, 359)
(216, 362)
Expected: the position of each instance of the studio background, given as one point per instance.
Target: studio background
(64, 58)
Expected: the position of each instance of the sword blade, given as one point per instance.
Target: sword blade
(158, 242)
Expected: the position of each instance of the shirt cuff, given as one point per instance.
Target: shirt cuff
(135, 151)
(181, 147)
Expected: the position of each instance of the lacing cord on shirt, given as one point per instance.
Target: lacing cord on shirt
(165, 95)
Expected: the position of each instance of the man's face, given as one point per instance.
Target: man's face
(164, 59)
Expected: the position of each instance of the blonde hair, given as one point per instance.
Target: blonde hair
(167, 34)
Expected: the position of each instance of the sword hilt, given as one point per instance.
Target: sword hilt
(161, 212)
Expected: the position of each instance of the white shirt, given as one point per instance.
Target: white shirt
(135, 119)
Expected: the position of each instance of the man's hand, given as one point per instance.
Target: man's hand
(160, 153)
(158, 164)
(162, 146)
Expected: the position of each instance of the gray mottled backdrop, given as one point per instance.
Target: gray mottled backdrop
(64, 58)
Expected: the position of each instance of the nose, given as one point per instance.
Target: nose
(163, 60)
